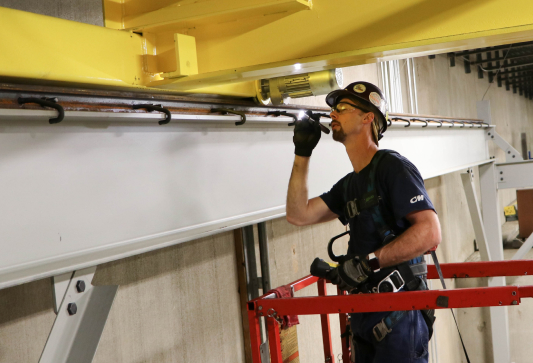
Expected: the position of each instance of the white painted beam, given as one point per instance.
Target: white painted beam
(97, 190)
(475, 214)
(515, 175)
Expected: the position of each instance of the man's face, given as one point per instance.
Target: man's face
(348, 118)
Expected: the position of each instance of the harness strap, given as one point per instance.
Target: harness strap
(384, 327)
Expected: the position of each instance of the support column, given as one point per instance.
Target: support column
(493, 229)
(80, 320)
(492, 224)
(475, 214)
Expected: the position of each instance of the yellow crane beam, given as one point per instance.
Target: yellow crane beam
(239, 41)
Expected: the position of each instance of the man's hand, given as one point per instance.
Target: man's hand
(306, 136)
(354, 272)
(347, 276)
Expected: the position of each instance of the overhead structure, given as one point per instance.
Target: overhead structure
(510, 65)
(203, 47)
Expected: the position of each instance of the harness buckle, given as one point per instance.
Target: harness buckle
(380, 330)
(393, 282)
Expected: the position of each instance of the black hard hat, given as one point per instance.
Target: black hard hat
(369, 95)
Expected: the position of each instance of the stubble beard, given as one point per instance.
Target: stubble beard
(339, 135)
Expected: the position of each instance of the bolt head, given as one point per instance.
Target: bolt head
(508, 152)
(72, 308)
(501, 178)
(514, 302)
(80, 286)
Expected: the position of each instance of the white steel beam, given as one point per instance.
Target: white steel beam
(475, 214)
(80, 320)
(492, 223)
(515, 175)
(524, 249)
(499, 316)
(184, 180)
(60, 285)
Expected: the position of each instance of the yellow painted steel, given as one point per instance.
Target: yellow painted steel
(39, 47)
(182, 15)
(346, 32)
(185, 57)
(242, 46)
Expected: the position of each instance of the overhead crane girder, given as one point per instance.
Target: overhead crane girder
(239, 41)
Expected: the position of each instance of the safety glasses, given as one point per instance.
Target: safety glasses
(345, 107)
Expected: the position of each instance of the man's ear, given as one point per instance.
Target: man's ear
(369, 117)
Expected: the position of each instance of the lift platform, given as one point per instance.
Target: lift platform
(273, 309)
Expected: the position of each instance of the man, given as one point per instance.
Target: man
(398, 225)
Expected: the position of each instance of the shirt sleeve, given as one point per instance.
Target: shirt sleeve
(405, 186)
(334, 199)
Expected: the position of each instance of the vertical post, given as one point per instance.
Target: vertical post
(255, 334)
(243, 295)
(263, 256)
(493, 229)
(274, 341)
(326, 328)
(523, 139)
(251, 262)
(492, 223)
(346, 340)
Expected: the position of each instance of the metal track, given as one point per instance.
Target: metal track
(115, 106)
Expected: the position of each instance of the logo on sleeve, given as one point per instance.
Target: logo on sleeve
(418, 198)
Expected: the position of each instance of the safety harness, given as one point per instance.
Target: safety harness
(404, 272)
(408, 273)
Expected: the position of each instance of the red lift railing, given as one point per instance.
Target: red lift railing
(272, 308)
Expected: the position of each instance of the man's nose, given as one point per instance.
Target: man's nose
(333, 115)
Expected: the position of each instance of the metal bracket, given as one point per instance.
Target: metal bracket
(46, 102)
(511, 154)
(283, 113)
(80, 320)
(225, 111)
(150, 108)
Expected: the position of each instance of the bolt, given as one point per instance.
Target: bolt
(508, 152)
(500, 302)
(489, 133)
(501, 172)
(260, 308)
(514, 293)
(514, 302)
(72, 308)
(492, 137)
(80, 286)
(514, 156)
(501, 178)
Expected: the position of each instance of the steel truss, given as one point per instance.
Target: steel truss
(272, 308)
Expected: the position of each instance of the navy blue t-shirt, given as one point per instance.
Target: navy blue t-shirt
(401, 188)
